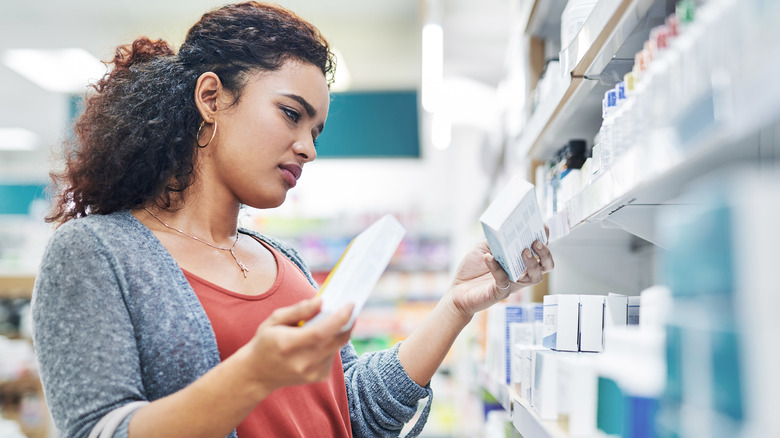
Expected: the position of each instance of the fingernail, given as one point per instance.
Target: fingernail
(527, 253)
(538, 245)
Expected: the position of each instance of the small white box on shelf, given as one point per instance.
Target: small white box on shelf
(498, 356)
(615, 314)
(527, 367)
(511, 223)
(633, 310)
(536, 317)
(520, 336)
(615, 310)
(561, 322)
(656, 306)
(544, 394)
(578, 393)
(592, 323)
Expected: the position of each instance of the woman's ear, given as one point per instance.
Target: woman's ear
(207, 91)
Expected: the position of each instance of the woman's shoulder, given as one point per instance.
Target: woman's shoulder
(119, 229)
(283, 247)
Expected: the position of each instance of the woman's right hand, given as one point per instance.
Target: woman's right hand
(283, 353)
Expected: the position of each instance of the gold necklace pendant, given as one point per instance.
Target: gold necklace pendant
(231, 250)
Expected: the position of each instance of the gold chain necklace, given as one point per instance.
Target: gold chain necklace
(243, 267)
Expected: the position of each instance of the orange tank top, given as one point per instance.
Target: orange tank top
(299, 411)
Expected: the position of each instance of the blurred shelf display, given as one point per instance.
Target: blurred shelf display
(321, 241)
(21, 395)
(16, 286)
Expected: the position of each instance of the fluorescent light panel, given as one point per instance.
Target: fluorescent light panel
(62, 71)
(17, 139)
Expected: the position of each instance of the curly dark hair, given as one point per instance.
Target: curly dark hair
(136, 141)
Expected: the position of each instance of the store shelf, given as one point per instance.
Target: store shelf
(523, 416)
(590, 64)
(528, 423)
(608, 27)
(724, 127)
(22, 385)
(16, 286)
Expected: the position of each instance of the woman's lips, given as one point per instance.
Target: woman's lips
(291, 173)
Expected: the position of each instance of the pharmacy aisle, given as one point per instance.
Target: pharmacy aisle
(651, 134)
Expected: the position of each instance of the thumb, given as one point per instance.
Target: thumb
(293, 315)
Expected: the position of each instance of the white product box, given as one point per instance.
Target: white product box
(656, 306)
(521, 335)
(592, 323)
(615, 310)
(511, 223)
(527, 367)
(536, 316)
(561, 322)
(517, 366)
(358, 270)
(499, 339)
(544, 394)
(633, 310)
(578, 393)
(615, 314)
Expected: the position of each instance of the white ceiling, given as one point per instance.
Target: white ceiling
(379, 40)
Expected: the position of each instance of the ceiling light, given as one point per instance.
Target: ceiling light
(62, 71)
(441, 131)
(17, 139)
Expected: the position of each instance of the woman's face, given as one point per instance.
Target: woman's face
(263, 141)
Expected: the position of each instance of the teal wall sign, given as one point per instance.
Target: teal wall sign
(371, 125)
(16, 198)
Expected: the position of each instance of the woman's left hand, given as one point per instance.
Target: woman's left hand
(480, 281)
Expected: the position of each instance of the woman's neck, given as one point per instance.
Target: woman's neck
(201, 214)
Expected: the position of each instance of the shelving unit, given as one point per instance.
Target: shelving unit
(16, 286)
(598, 55)
(729, 126)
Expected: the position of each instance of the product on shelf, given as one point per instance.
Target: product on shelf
(561, 322)
(591, 330)
(573, 18)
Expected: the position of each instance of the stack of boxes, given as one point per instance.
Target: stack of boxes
(545, 352)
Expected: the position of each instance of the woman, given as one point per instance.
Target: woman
(154, 315)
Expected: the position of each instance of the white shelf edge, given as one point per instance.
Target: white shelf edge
(522, 415)
(528, 423)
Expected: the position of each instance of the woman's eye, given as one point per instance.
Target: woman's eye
(292, 115)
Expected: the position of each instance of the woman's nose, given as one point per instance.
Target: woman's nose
(306, 149)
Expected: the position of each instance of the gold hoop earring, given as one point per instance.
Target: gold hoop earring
(197, 136)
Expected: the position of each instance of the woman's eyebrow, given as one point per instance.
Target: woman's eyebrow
(306, 105)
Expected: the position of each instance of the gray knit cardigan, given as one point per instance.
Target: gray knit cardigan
(115, 321)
